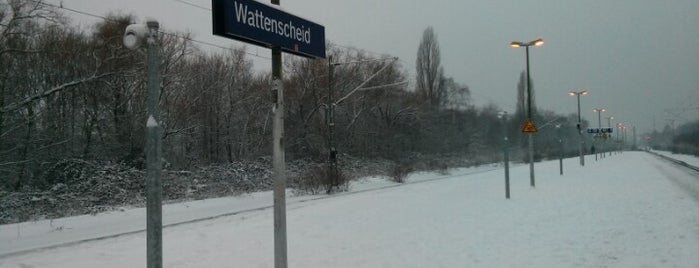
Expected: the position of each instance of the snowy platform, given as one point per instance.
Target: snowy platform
(626, 210)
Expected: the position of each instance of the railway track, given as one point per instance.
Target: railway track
(675, 161)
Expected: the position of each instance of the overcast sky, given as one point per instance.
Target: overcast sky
(637, 58)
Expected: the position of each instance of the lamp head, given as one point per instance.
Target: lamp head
(134, 35)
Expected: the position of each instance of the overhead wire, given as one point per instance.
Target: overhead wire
(411, 74)
(160, 31)
(342, 46)
(192, 4)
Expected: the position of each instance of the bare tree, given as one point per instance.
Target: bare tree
(430, 77)
(34, 43)
(458, 96)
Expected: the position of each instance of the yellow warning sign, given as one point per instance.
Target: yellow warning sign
(529, 127)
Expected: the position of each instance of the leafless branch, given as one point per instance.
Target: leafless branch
(365, 82)
(18, 105)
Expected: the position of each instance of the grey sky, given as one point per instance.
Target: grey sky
(637, 58)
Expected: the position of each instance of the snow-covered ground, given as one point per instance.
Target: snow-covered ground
(626, 210)
(28, 236)
(689, 159)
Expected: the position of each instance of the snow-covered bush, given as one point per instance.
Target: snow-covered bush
(321, 178)
(400, 171)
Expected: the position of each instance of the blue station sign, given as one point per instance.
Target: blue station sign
(600, 130)
(256, 23)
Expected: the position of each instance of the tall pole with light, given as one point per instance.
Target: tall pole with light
(579, 125)
(618, 137)
(138, 36)
(526, 45)
(599, 112)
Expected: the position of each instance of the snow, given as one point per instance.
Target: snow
(626, 210)
(689, 159)
(151, 122)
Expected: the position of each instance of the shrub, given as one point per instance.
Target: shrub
(322, 178)
(67, 171)
(401, 170)
(440, 166)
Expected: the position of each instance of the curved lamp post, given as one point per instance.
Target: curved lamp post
(526, 45)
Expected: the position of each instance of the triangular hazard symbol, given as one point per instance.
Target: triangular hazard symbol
(529, 127)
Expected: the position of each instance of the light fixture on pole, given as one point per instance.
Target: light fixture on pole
(526, 45)
(609, 126)
(618, 136)
(599, 112)
(138, 36)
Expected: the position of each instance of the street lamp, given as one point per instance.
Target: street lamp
(618, 137)
(138, 36)
(599, 112)
(526, 45)
(580, 136)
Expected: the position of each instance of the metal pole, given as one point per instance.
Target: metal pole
(507, 170)
(154, 226)
(560, 158)
(601, 145)
(618, 137)
(609, 125)
(278, 163)
(506, 155)
(581, 144)
(634, 138)
(529, 114)
(331, 123)
(623, 141)
(560, 151)
(599, 126)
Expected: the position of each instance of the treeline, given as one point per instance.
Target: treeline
(71, 94)
(683, 139)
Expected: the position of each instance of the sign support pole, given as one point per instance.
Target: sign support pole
(287, 33)
(278, 162)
